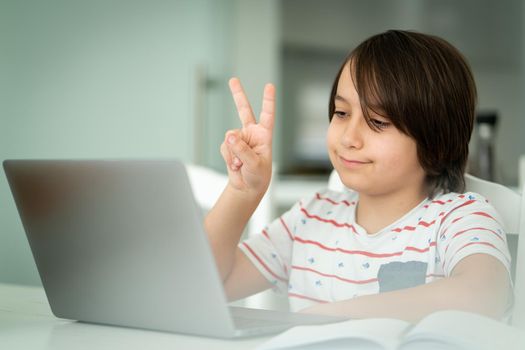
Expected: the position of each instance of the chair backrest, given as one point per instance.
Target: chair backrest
(207, 185)
(506, 201)
(511, 206)
(508, 204)
(334, 182)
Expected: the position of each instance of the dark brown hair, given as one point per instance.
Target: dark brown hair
(425, 87)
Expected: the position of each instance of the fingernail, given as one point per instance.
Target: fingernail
(231, 139)
(236, 161)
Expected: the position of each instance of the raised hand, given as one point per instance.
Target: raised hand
(248, 151)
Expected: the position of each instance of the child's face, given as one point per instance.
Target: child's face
(370, 162)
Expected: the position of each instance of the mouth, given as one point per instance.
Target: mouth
(353, 163)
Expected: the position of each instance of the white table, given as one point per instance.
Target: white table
(26, 322)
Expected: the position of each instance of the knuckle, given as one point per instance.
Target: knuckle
(229, 132)
(241, 147)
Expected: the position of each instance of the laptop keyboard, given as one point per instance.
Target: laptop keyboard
(246, 318)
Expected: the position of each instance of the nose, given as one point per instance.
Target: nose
(352, 136)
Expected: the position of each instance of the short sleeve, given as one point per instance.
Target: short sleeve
(271, 250)
(471, 226)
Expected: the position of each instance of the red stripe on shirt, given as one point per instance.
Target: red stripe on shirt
(263, 264)
(331, 201)
(412, 228)
(286, 228)
(459, 206)
(441, 202)
(362, 252)
(295, 295)
(479, 229)
(421, 250)
(472, 243)
(371, 280)
(466, 216)
(329, 221)
(480, 213)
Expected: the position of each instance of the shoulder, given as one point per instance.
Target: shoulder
(452, 200)
(453, 206)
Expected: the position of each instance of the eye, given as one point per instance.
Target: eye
(380, 124)
(340, 114)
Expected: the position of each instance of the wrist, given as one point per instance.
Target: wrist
(246, 195)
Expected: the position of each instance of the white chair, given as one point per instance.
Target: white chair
(207, 185)
(511, 206)
(334, 182)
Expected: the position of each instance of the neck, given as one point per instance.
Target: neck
(377, 211)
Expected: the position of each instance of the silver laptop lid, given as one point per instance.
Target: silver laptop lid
(120, 242)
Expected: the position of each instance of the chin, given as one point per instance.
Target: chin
(351, 181)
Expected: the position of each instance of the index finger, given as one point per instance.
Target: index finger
(268, 107)
(241, 102)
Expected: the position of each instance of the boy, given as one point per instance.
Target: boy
(405, 240)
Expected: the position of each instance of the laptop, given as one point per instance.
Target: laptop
(121, 242)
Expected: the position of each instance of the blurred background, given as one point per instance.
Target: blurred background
(141, 79)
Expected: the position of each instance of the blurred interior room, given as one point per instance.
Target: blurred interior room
(148, 79)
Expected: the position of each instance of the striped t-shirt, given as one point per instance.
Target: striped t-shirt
(317, 253)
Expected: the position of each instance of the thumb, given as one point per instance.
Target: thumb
(242, 150)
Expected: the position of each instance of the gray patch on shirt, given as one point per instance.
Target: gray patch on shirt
(399, 275)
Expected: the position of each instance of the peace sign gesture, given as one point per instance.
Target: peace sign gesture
(248, 151)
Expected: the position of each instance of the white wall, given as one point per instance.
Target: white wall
(123, 78)
(104, 79)
(256, 53)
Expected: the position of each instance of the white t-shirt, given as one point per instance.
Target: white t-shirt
(317, 253)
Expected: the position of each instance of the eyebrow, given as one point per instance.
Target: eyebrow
(341, 98)
(377, 109)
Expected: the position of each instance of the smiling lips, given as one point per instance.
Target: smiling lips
(352, 163)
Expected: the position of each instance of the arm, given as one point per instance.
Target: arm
(479, 283)
(248, 156)
(225, 224)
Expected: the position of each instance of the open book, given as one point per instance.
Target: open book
(440, 330)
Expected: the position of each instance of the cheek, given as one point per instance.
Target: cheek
(331, 137)
(399, 156)
(332, 141)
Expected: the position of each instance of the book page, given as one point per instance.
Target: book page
(467, 331)
(376, 333)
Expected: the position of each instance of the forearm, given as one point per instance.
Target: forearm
(485, 293)
(225, 224)
(412, 304)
